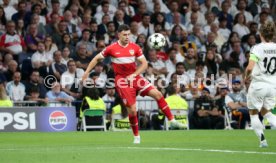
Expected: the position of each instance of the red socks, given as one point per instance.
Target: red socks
(162, 104)
(134, 124)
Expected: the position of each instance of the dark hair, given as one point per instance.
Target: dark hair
(71, 60)
(3, 18)
(171, 90)
(123, 27)
(179, 64)
(267, 30)
(93, 93)
(34, 90)
(86, 30)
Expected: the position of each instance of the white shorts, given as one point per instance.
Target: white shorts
(261, 96)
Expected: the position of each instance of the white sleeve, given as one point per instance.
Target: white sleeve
(228, 99)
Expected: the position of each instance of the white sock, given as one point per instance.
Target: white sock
(257, 126)
(271, 119)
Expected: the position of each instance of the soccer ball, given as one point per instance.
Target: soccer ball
(156, 41)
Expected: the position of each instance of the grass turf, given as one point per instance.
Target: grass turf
(156, 146)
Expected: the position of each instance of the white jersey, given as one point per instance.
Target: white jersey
(264, 70)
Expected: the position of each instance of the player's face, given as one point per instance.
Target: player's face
(124, 37)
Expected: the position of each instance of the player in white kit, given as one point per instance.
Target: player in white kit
(262, 91)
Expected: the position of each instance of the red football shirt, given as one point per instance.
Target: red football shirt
(123, 57)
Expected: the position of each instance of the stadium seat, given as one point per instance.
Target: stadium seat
(92, 113)
(114, 118)
(177, 113)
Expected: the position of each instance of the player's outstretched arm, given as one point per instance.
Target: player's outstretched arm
(99, 57)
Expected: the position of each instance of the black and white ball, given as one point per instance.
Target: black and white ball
(156, 41)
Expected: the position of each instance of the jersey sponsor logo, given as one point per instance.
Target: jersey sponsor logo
(58, 120)
(131, 51)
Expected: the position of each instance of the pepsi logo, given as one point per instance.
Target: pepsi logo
(58, 120)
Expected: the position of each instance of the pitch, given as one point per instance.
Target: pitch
(156, 146)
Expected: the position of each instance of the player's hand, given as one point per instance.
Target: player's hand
(131, 77)
(84, 77)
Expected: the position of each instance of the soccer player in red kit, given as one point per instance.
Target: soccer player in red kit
(128, 81)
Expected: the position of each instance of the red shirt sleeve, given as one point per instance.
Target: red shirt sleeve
(106, 51)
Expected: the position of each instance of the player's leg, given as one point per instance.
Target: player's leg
(257, 126)
(269, 103)
(254, 104)
(132, 115)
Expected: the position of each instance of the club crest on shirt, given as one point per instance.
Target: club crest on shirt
(131, 51)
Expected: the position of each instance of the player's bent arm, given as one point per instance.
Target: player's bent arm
(250, 67)
(143, 65)
(99, 57)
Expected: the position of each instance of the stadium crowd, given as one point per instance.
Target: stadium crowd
(207, 50)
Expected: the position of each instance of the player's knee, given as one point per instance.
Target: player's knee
(158, 95)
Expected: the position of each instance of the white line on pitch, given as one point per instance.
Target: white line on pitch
(136, 148)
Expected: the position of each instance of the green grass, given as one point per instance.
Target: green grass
(156, 146)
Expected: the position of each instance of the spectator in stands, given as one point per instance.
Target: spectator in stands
(206, 114)
(35, 82)
(105, 11)
(253, 28)
(241, 6)
(37, 9)
(50, 46)
(176, 33)
(52, 26)
(145, 26)
(142, 9)
(8, 9)
(55, 10)
(75, 10)
(12, 68)
(40, 27)
(174, 10)
(225, 6)
(142, 42)
(19, 28)
(102, 27)
(40, 58)
(159, 18)
(72, 28)
(110, 36)
(57, 68)
(34, 96)
(15, 89)
(254, 7)
(32, 38)
(22, 13)
(102, 79)
(57, 96)
(69, 43)
(133, 31)
(225, 32)
(240, 25)
(236, 102)
(4, 98)
(195, 10)
(197, 36)
(70, 79)
(211, 62)
(251, 41)
(82, 59)
(100, 45)
(264, 9)
(66, 55)
(94, 32)
(226, 47)
(57, 35)
(126, 8)
(86, 20)
(3, 20)
(175, 102)
(263, 19)
(190, 59)
(171, 62)
(85, 41)
(5, 60)
(159, 67)
(12, 43)
(120, 18)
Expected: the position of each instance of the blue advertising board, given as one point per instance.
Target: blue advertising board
(40, 119)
